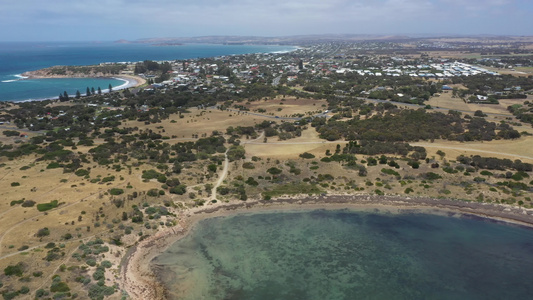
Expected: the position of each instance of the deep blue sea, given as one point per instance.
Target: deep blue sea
(349, 255)
(19, 57)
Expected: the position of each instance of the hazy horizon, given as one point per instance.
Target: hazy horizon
(108, 20)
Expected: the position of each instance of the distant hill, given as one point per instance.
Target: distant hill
(318, 38)
(285, 40)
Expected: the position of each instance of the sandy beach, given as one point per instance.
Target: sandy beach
(129, 80)
(141, 282)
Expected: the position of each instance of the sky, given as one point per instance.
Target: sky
(107, 20)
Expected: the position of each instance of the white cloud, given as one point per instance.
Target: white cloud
(268, 17)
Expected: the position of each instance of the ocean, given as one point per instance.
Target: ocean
(17, 58)
(346, 254)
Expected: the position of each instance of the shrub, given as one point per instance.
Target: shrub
(248, 165)
(91, 262)
(251, 181)
(59, 287)
(81, 172)
(15, 202)
(53, 165)
(486, 173)
(180, 189)
(47, 206)
(307, 155)
(24, 290)
(152, 193)
(390, 172)
(15, 184)
(116, 191)
(108, 179)
(100, 291)
(28, 203)
(43, 232)
(106, 264)
(150, 174)
(274, 171)
(41, 293)
(431, 176)
(16, 270)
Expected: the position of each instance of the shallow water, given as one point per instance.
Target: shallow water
(349, 255)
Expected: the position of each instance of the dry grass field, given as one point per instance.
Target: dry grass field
(87, 210)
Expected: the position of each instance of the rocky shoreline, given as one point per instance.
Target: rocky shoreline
(140, 280)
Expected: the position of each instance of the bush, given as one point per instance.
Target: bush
(15, 202)
(43, 232)
(150, 174)
(180, 189)
(41, 293)
(108, 179)
(91, 262)
(15, 184)
(28, 203)
(307, 155)
(390, 172)
(16, 270)
(59, 287)
(274, 171)
(11, 133)
(53, 165)
(106, 264)
(81, 172)
(248, 165)
(431, 176)
(47, 206)
(153, 193)
(100, 291)
(252, 181)
(116, 191)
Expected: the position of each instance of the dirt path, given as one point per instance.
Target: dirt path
(221, 177)
(428, 145)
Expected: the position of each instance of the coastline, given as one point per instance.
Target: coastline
(130, 81)
(140, 281)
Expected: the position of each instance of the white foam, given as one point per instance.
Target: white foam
(19, 77)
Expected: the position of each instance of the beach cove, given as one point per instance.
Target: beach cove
(17, 58)
(141, 279)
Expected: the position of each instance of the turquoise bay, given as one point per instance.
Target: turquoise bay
(345, 254)
(17, 58)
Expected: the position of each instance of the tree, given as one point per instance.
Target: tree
(78, 94)
(88, 92)
(110, 88)
(99, 91)
(92, 91)
(65, 96)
